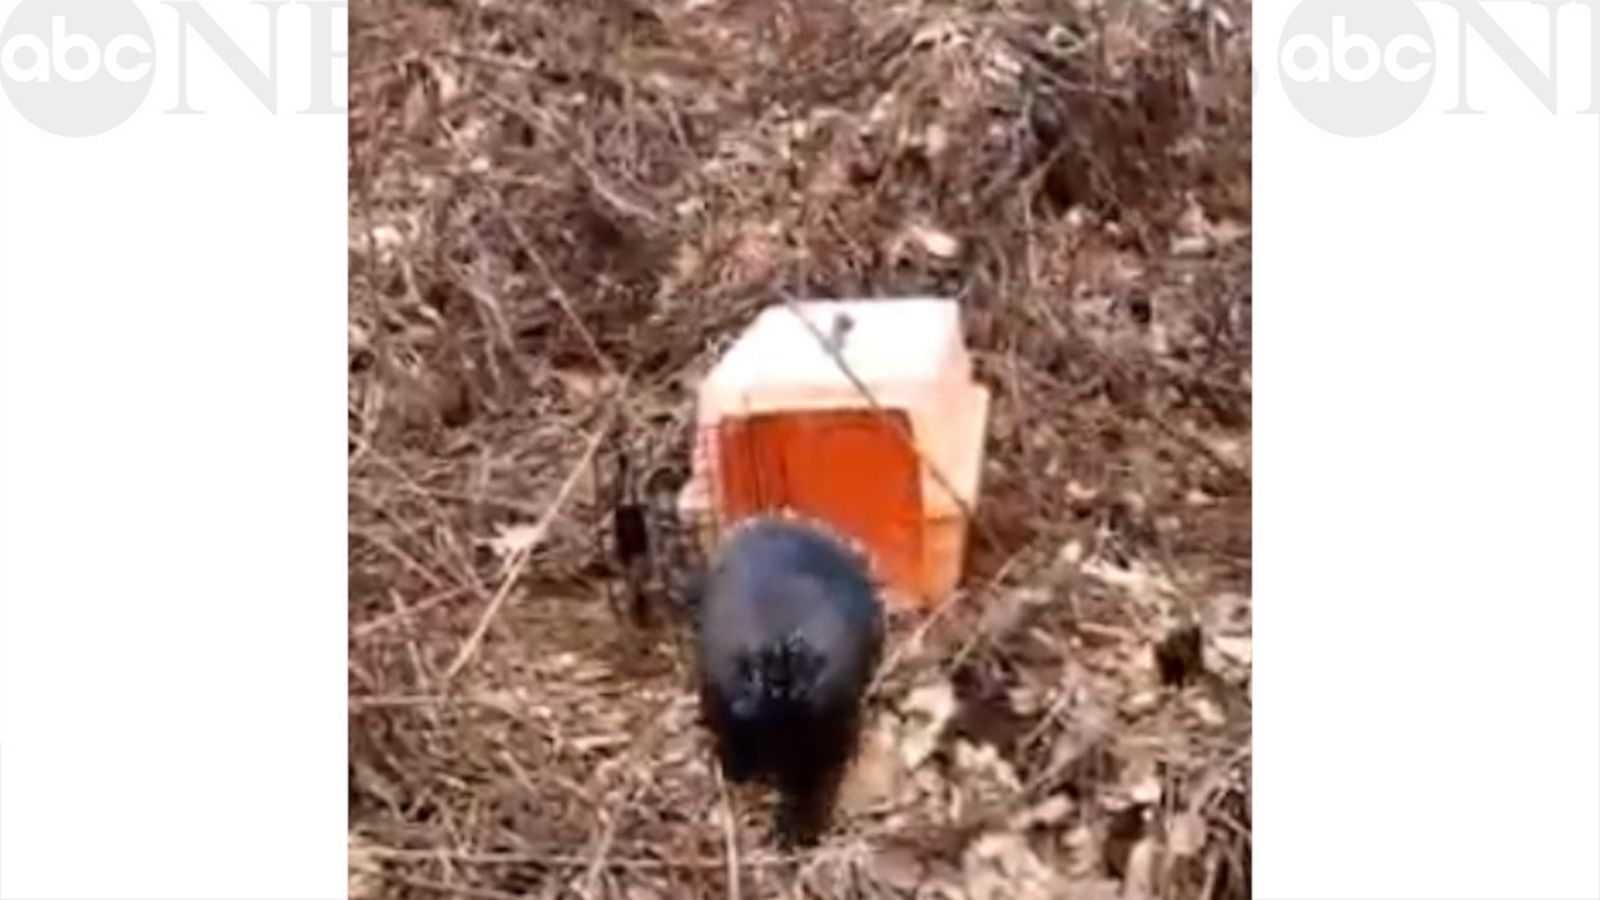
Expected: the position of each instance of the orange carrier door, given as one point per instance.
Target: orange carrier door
(851, 468)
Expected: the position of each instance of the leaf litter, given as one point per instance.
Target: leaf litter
(561, 211)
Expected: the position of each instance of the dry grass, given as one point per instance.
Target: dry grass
(559, 210)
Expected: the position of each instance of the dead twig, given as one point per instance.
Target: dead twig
(556, 859)
(367, 629)
(597, 861)
(730, 837)
(610, 819)
(520, 556)
(454, 890)
(394, 550)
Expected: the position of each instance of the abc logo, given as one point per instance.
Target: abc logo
(1307, 57)
(1356, 68)
(74, 57)
(76, 67)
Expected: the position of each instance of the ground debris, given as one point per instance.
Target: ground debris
(560, 212)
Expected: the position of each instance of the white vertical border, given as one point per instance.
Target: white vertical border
(1427, 506)
(172, 490)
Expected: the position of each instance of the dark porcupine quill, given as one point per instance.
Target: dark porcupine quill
(789, 632)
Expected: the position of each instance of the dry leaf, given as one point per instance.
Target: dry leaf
(1142, 585)
(1227, 613)
(1093, 889)
(585, 386)
(938, 32)
(1121, 43)
(899, 868)
(1071, 553)
(1140, 883)
(1191, 245)
(449, 85)
(1140, 783)
(513, 539)
(415, 107)
(927, 711)
(1227, 232)
(363, 884)
(936, 242)
(983, 761)
(873, 774)
(1053, 810)
(1080, 493)
(1206, 710)
(1001, 866)
(387, 238)
(1231, 450)
(1083, 854)
(1186, 835)
(1146, 790)
(1237, 649)
(1142, 703)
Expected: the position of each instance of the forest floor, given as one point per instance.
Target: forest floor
(561, 211)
